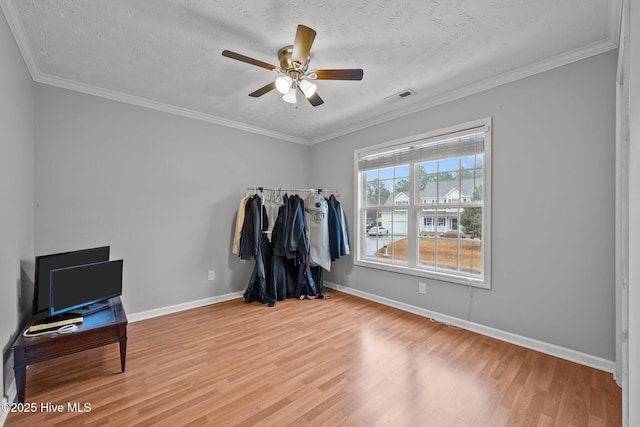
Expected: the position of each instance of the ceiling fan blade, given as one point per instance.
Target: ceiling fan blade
(247, 59)
(302, 44)
(264, 89)
(346, 74)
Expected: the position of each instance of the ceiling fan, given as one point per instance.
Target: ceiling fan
(294, 70)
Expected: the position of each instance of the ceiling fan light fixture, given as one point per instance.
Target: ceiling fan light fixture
(290, 96)
(283, 84)
(308, 88)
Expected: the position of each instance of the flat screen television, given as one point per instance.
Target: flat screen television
(83, 289)
(46, 263)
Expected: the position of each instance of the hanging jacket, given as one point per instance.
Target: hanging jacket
(278, 277)
(254, 219)
(278, 234)
(344, 232)
(334, 233)
(296, 240)
(260, 288)
(343, 229)
(246, 250)
(239, 224)
(317, 230)
(305, 286)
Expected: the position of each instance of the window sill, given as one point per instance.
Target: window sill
(412, 271)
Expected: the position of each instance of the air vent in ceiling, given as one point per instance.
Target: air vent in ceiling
(402, 94)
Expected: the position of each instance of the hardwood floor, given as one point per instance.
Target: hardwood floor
(339, 361)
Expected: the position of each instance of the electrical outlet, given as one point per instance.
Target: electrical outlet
(422, 287)
(212, 274)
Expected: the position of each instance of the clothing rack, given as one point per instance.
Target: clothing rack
(291, 255)
(295, 190)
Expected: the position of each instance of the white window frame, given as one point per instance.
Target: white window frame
(413, 268)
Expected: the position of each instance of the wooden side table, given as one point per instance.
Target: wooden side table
(104, 327)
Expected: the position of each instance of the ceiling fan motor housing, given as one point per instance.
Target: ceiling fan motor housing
(292, 69)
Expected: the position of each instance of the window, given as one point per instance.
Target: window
(430, 197)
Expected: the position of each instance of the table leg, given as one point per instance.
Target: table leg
(21, 382)
(123, 354)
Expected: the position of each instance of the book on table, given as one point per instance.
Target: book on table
(52, 324)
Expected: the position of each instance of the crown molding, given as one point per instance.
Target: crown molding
(160, 106)
(15, 25)
(474, 88)
(499, 80)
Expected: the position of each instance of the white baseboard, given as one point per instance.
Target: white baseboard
(541, 346)
(135, 317)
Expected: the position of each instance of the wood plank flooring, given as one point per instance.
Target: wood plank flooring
(342, 361)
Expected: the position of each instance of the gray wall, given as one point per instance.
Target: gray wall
(16, 193)
(162, 190)
(553, 207)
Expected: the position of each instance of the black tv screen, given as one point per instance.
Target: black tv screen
(46, 263)
(73, 288)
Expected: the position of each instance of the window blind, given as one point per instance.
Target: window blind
(455, 144)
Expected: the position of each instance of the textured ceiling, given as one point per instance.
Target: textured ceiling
(166, 54)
